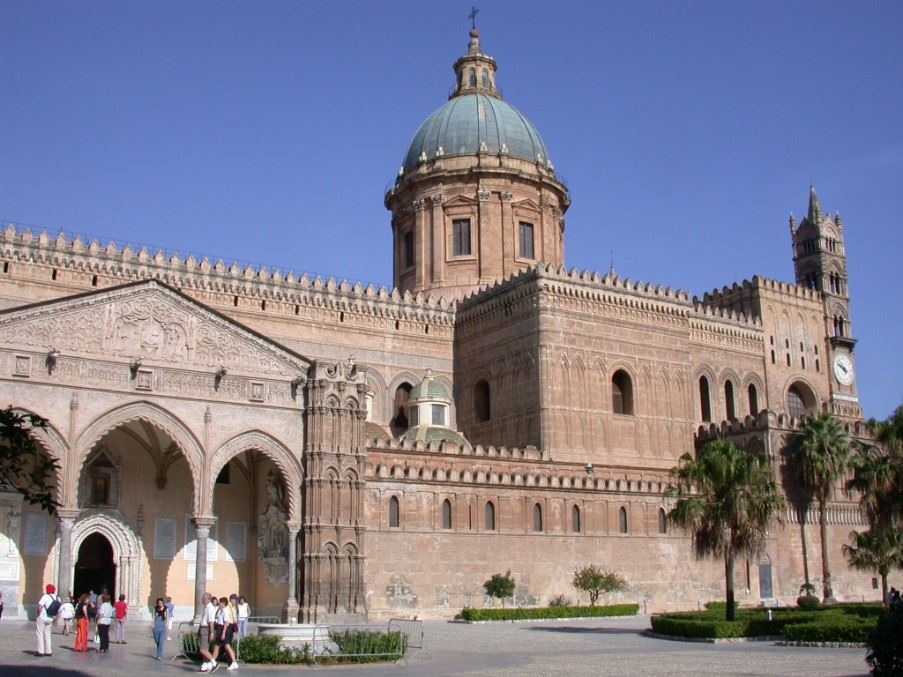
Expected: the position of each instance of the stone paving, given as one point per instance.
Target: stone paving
(585, 647)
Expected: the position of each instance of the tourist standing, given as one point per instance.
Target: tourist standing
(67, 613)
(170, 608)
(81, 623)
(46, 614)
(205, 630)
(120, 611)
(104, 619)
(244, 612)
(161, 615)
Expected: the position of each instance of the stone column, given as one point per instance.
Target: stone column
(291, 608)
(202, 531)
(66, 519)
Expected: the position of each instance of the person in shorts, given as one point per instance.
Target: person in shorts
(223, 630)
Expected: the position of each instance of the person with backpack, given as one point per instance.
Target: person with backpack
(48, 608)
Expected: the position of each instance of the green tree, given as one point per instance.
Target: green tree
(23, 465)
(876, 550)
(500, 586)
(591, 579)
(878, 472)
(727, 498)
(821, 458)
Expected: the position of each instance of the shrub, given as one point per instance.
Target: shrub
(559, 600)
(266, 649)
(469, 614)
(808, 602)
(831, 628)
(368, 646)
(593, 580)
(885, 654)
(720, 607)
(500, 586)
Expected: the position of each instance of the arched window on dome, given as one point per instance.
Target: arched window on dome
(621, 393)
(753, 399)
(482, 405)
(525, 240)
(705, 403)
(490, 516)
(472, 77)
(485, 78)
(729, 400)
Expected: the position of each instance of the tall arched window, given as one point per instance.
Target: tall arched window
(729, 400)
(662, 521)
(705, 403)
(446, 514)
(575, 520)
(753, 399)
(399, 422)
(482, 408)
(800, 400)
(537, 517)
(621, 393)
(472, 76)
(490, 516)
(485, 78)
(622, 520)
(393, 513)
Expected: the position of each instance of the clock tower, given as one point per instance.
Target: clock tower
(820, 264)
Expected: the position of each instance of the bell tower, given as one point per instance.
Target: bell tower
(820, 263)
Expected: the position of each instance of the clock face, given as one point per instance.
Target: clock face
(843, 370)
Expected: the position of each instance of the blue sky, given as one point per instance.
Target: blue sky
(269, 131)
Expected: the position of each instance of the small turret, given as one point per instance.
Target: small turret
(814, 214)
(475, 71)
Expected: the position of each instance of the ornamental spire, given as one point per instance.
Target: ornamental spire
(475, 71)
(814, 214)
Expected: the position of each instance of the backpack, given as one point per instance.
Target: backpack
(53, 608)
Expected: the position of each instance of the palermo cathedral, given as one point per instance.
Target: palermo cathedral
(334, 451)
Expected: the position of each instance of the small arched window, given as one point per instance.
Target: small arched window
(472, 77)
(705, 404)
(575, 519)
(485, 78)
(622, 520)
(490, 516)
(482, 407)
(662, 521)
(393, 513)
(399, 422)
(729, 400)
(753, 399)
(446, 514)
(537, 517)
(621, 393)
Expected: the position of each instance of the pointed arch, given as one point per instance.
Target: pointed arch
(52, 442)
(128, 555)
(148, 412)
(282, 457)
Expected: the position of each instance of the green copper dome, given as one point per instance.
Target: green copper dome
(468, 124)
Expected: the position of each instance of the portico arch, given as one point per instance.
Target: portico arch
(151, 413)
(127, 553)
(54, 445)
(277, 452)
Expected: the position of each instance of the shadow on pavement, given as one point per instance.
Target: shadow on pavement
(589, 631)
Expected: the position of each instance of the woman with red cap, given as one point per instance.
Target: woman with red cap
(45, 620)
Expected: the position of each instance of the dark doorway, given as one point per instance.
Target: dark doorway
(765, 591)
(94, 569)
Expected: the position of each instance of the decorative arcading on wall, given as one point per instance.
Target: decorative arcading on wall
(127, 265)
(509, 467)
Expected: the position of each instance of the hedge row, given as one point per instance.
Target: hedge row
(469, 614)
(848, 628)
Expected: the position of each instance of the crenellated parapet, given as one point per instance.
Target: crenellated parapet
(768, 420)
(739, 296)
(86, 263)
(500, 466)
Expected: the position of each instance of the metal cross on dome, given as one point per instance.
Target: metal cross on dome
(473, 17)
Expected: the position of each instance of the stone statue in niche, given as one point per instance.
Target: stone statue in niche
(271, 542)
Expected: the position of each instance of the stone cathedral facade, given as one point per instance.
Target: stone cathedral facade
(335, 451)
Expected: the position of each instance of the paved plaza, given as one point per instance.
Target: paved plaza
(584, 647)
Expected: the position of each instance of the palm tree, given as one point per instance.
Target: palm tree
(878, 472)
(876, 550)
(727, 498)
(820, 457)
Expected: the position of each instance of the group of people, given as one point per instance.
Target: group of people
(80, 612)
(893, 597)
(221, 621)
